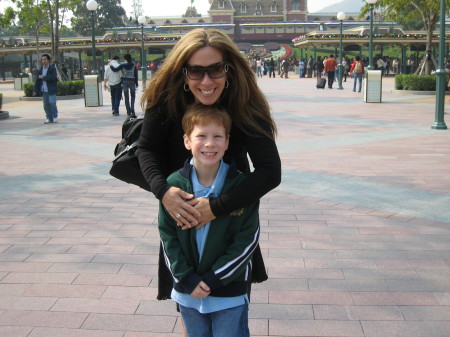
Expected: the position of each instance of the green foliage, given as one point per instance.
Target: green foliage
(399, 81)
(7, 17)
(108, 15)
(32, 16)
(64, 88)
(70, 88)
(44, 16)
(411, 14)
(28, 89)
(415, 82)
(296, 53)
(10, 31)
(67, 32)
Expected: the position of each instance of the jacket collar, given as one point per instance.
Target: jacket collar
(186, 170)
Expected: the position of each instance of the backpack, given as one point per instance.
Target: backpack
(125, 165)
(358, 67)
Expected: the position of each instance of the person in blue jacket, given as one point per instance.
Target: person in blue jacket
(46, 80)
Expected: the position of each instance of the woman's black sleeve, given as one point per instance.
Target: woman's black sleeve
(266, 176)
(151, 151)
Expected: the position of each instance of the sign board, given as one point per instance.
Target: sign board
(372, 86)
(93, 95)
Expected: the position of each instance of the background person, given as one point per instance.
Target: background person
(345, 68)
(309, 67)
(330, 68)
(301, 68)
(285, 68)
(259, 65)
(46, 83)
(271, 66)
(357, 69)
(114, 79)
(129, 82)
(319, 67)
(381, 66)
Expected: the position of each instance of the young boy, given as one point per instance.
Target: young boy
(211, 266)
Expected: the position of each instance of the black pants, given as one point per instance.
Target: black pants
(330, 75)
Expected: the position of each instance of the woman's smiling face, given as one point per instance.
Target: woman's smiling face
(206, 90)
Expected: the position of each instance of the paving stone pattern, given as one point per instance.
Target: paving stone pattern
(356, 239)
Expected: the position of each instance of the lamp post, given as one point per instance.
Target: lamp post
(141, 21)
(441, 75)
(371, 3)
(340, 17)
(92, 6)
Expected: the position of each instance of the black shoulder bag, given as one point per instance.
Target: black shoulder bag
(125, 165)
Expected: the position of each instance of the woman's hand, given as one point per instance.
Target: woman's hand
(206, 215)
(174, 200)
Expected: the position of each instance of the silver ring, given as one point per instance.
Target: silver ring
(177, 215)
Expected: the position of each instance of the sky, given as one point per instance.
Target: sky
(178, 7)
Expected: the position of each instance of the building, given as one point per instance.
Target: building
(250, 11)
(255, 21)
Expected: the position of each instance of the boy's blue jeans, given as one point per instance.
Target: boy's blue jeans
(223, 323)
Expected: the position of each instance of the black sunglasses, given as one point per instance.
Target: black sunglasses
(215, 71)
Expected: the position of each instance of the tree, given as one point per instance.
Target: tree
(108, 15)
(67, 32)
(54, 13)
(7, 17)
(32, 18)
(407, 11)
(137, 9)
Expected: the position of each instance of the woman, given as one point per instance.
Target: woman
(357, 69)
(205, 66)
(129, 83)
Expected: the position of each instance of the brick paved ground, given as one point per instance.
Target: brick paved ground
(356, 239)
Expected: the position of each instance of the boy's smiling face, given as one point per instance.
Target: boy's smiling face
(208, 144)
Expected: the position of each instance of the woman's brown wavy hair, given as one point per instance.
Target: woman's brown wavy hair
(243, 100)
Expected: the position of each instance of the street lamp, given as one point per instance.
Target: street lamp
(371, 3)
(441, 75)
(340, 17)
(92, 6)
(141, 21)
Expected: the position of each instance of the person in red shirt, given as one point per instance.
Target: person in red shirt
(357, 69)
(330, 69)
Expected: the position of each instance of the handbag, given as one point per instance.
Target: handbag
(125, 165)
